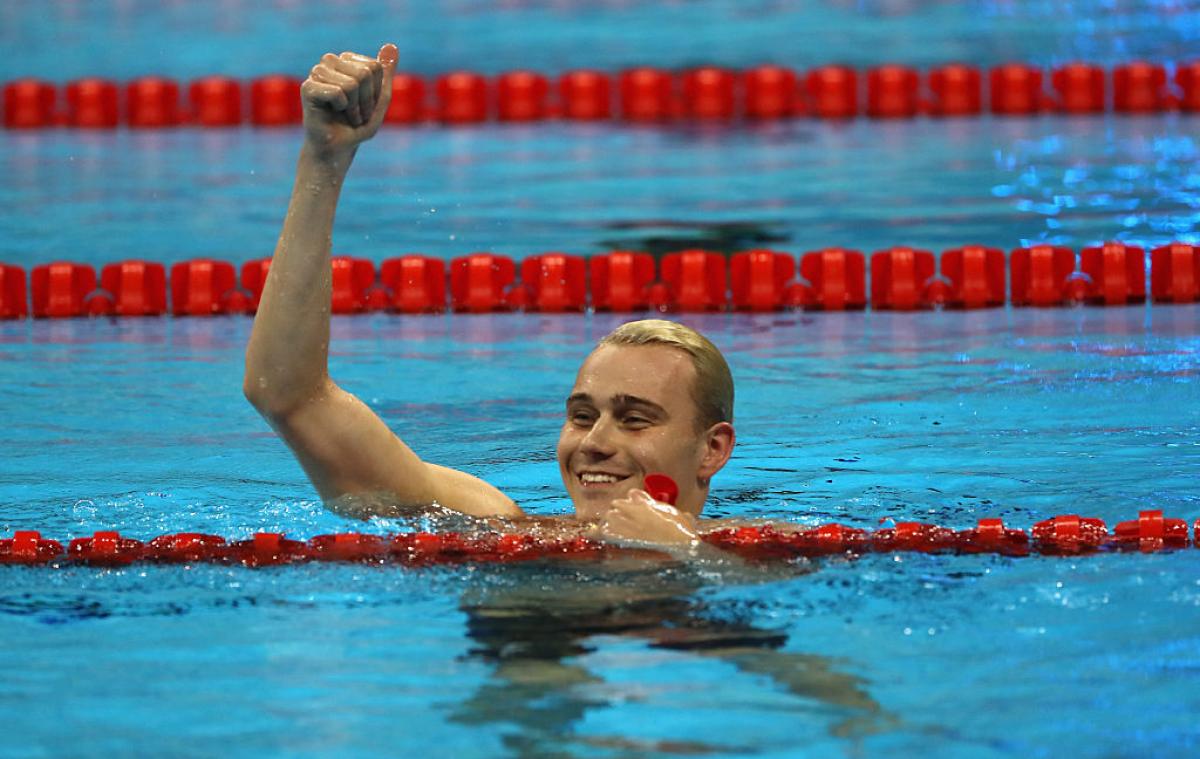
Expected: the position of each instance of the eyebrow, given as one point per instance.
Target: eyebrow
(622, 399)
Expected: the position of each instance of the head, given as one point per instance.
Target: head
(654, 396)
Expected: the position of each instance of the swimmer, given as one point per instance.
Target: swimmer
(626, 416)
(654, 396)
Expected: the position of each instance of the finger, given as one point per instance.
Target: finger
(361, 68)
(328, 96)
(330, 72)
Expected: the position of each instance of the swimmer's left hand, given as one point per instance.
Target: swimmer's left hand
(638, 518)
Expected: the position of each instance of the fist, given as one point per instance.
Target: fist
(345, 98)
(639, 518)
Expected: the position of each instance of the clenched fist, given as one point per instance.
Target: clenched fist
(345, 98)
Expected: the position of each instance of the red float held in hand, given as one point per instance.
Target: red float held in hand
(661, 488)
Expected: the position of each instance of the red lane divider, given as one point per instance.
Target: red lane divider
(1067, 535)
(642, 95)
(902, 278)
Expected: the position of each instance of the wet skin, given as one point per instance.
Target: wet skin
(631, 413)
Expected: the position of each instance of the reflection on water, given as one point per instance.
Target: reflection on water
(537, 636)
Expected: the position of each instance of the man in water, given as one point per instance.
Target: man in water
(654, 396)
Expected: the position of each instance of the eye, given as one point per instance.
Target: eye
(580, 417)
(636, 421)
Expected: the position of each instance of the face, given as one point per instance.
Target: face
(630, 414)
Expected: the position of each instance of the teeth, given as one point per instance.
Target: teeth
(589, 477)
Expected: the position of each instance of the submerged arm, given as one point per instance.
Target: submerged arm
(344, 447)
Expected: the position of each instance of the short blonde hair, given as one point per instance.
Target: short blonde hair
(713, 389)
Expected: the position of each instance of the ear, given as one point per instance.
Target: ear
(718, 442)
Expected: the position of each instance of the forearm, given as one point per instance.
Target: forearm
(287, 358)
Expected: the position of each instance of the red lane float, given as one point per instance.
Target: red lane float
(557, 282)
(13, 303)
(1066, 535)
(29, 547)
(60, 289)
(408, 104)
(585, 95)
(761, 280)
(461, 98)
(902, 278)
(1079, 88)
(1039, 275)
(696, 280)
(134, 288)
(976, 276)
(1187, 78)
(29, 104)
(1117, 273)
(152, 102)
(771, 92)
(275, 101)
(899, 276)
(479, 283)
(1175, 273)
(710, 93)
(93, 104)
(205, 287)
(1140, 87)
(522, 96)
(893, 92)
(832, 92)
(837, 278)
(621, 281)
(955, 90)
(216, 101)
(1016, 90)
(647, 95)
(352, 279)
(417, 284)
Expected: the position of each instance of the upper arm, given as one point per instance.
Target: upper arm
(347, 450)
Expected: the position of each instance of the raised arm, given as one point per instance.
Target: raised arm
(358, 465)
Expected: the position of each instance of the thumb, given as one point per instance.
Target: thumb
(388, 56)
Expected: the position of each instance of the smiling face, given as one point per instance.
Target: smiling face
(631, 413)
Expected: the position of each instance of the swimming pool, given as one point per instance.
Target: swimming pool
(937, 416)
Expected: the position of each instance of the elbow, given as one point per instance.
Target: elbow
(277, 404)
(271, 405)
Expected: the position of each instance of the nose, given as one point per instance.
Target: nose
(598, 442)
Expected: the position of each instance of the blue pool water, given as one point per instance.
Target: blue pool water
(946, 417)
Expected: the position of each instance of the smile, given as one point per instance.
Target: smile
(598, 479)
